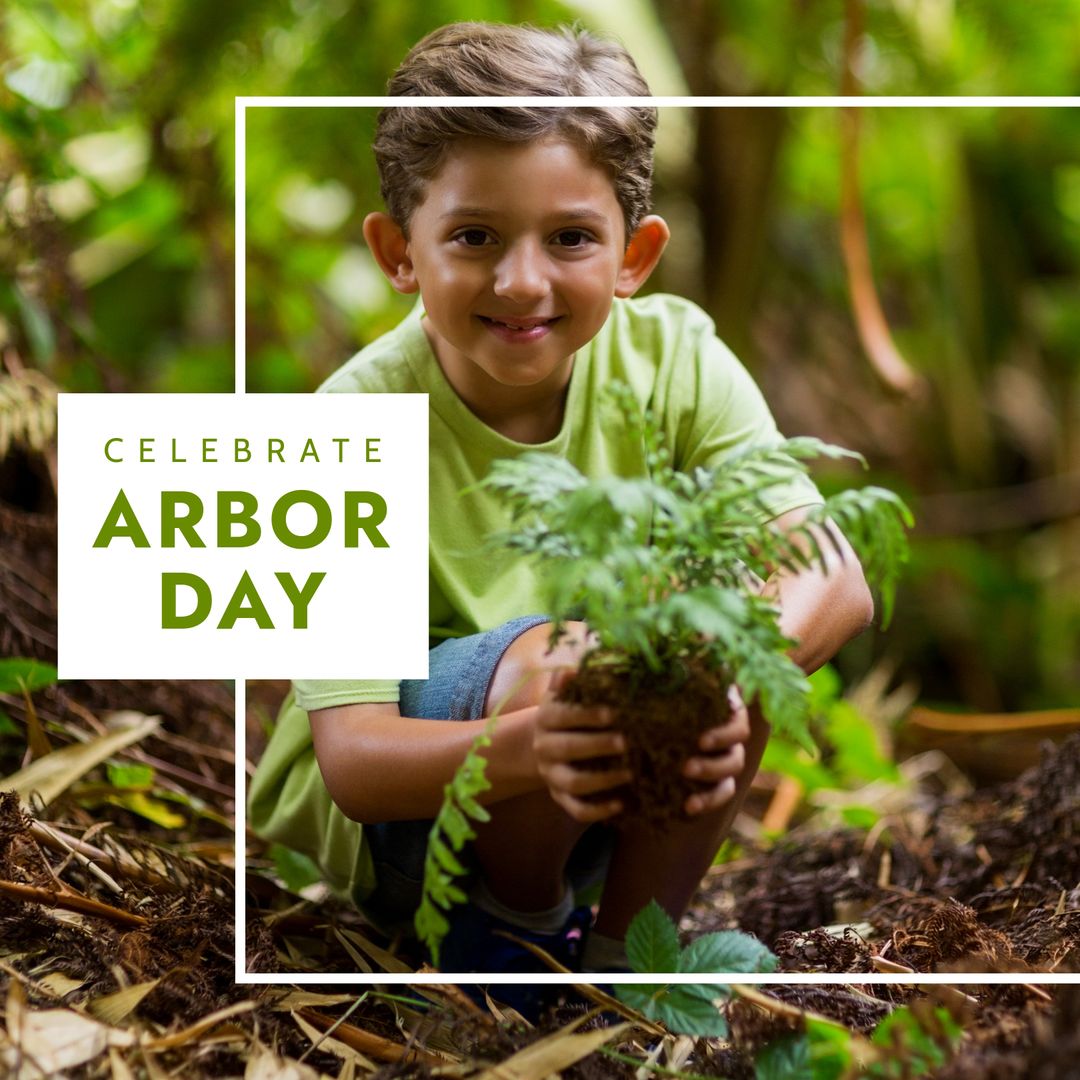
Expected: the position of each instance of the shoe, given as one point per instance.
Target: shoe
(473, 945)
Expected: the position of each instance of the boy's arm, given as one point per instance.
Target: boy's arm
(408, 761)
(381, 766)
(821, 608)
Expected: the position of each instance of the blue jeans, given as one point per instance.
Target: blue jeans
(460, 671)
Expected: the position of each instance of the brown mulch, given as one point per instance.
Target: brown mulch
(985, 882)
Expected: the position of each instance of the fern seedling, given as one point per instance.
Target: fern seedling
(657, 567)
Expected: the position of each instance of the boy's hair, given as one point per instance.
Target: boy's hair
(475, 59)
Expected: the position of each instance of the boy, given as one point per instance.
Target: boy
(526, 232)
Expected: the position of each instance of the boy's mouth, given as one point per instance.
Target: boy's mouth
(519, 324)
(519, 330)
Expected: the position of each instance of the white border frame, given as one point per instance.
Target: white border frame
(242, 104)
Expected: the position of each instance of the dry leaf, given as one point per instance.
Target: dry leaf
(51, 775)
(115, 1007)
(385, 960)
(57, 984)
(552, 1054)
(356, 958)
(332, 1045)
(299, 999)
(120, 1068)
(264, 1064)
(200, 1027)
(45, 1042)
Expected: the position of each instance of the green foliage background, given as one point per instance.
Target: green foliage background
(116, 249)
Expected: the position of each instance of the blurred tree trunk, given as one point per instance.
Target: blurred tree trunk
(738, 150)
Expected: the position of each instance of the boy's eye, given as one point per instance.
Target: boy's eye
(472, 237)
(572, 238)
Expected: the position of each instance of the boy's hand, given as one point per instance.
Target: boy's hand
(565, 738)
(722, 760)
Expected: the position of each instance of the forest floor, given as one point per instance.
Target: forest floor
(130, 971)
(117, 913)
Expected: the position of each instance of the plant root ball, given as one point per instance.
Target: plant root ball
(662, 716)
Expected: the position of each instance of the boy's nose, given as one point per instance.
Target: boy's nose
(520, 274)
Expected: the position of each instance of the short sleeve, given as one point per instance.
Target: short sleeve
(715, 409)
(312, 694)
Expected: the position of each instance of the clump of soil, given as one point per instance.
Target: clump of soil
(663, 717)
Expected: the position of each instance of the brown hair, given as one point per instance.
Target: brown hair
(475, 59)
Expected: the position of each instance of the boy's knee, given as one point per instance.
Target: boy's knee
(524, 673)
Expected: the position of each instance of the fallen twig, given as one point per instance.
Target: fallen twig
(120, 864)
(366, 1042)
(71, 901)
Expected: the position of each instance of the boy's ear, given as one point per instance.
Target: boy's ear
(391, 250)
(642, 254)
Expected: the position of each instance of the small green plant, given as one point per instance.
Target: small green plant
(450, 832)
(652, 945)
(23, 676)
(658, 566)
(911, 1041)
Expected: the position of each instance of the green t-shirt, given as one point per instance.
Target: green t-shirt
(666, 350)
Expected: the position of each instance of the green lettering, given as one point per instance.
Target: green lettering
(171, 521)
(274, 448)
(237, 508)
(245, 604)
(170, 620)
(354, 523)
(309, 451)
(241, 447)
(121, 510)
(300, 599)
(281, 526)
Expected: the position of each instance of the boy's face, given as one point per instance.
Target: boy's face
(517, 252)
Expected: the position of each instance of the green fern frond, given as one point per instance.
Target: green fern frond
(450, 832)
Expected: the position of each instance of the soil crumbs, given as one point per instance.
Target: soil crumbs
(662, 720)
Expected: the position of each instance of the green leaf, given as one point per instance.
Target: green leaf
(18, 674)
(683, 1009)
(860, 817)
(652, 941)
(129, 776)
(724, 951)
(830, 1049)
(471, 807)
(689, 1013)
(918, 1049)
(7, 725)
(455, 825)
(138, 802)
(445, 856)
(294, 868)
(785, 1059)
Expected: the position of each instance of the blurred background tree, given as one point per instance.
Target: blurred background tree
(116, 248)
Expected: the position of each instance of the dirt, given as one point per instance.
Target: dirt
(662, 719)
(987, 882)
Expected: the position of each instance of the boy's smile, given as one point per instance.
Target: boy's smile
(517, 252)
